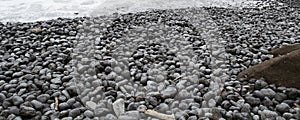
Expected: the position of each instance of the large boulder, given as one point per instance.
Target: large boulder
(283, 70)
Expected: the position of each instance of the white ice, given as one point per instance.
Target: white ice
(37, 10)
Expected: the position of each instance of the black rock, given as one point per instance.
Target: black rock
(27, 111)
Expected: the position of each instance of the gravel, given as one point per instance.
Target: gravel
(180, 61)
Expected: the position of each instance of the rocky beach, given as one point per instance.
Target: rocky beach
(184, 62)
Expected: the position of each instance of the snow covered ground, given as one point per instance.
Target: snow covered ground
(36, 10)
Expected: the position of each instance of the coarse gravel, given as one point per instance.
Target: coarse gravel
(178, 61)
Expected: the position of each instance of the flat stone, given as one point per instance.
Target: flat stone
(90, 104)
(119, 107)
(169, 92)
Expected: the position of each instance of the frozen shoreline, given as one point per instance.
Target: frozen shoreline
(37, 10)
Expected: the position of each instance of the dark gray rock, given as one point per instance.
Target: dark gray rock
(283, 107)
(17, 100)
(71, 101)
(287, 116)
(28, 77)
(88, 113)
(2, 98)
(252, 100)
(37, 104)
(63, 106)
(162, 107)
(27, 111)
(226, 104)
(259, 84)
(267, 102)
(267, 114)
(265, 93)
(169, 92)
(111, 117)
(74, 112)
(90, 104)
(14, 110)
(280, 97)
(101, 111)
(246, 108)
(17, 74)
(43, 98)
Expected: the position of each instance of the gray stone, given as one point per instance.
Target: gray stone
(183, 106)
(110, 117)
(255, 117)
(162, 107)
(119, 107)
(18, 118)
(101, 111)
(27, 111)
(267, 114)
(37, 104)
(280, 97)
(160, 78)
(43, 98)
(246, 108)
(88, 113)
(56, 80)
(192, 118)
(211, 103)
(14, 110)
(74, 112)
(66, 118)
(133, 113)
(17, 74)
(29, 77)
(125, 117)
(17, 100)
(90, 104)
(267, 102)
(2, 98)
(259, 84)
(63, 106)
(287, 116)
(283, 107)
(183, 94)
(252, 100)
(169, 92)
(268, 93)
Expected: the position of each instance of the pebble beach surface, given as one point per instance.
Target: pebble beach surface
(178, 61)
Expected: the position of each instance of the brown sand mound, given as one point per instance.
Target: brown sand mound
(281, 71)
